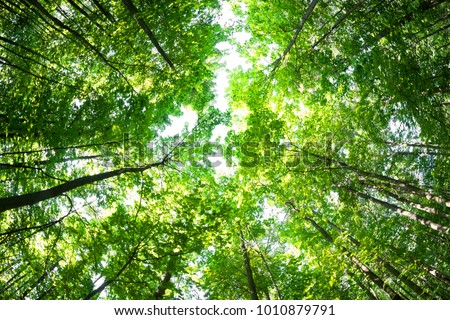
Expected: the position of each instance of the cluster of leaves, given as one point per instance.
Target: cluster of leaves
(341, 188)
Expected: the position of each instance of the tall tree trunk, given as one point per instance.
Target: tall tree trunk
(299, 28)
(365, 288)
(405, 201)
(419, 145)
(338, 22)
(134, 12)
(418, 290)
(248, 269)
(38, 281)
(162, 287)
(36, 197)
(411, 215)
(362, 267)
(363, 175)
(105, 12)
(107, 282)
(84, 13)
(77, 36)
(272, 279)
(10, 153)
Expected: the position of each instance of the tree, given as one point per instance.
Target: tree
(338, 144)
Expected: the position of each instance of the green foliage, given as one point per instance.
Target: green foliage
(340, 143)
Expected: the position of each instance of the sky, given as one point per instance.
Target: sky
(232, 60)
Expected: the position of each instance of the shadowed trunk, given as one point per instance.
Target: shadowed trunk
(248, 270)
(38, 196)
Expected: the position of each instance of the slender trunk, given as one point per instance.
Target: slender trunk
(340, 20)
(8, 8)
(322, 231)
(162, 287)
(404, 185)
(38, 196)
(415, 154)
(424, 221)
(63, 148)
(424, 6)
(25, 58)
(39, 227)
(366, 289)
(105, 12)
(38, 281)
(46, 292)
(134, 12)
(411, 203)
(248, 270)
(422, 294)
(7, 62)
(272, 279)
(434, 272)
(23, 165)
(372, 276)
(418, 290)
(299, 28)
(15, 278)
(436, 31)
(84, 13)
(107, 282)
(77, 36)
(363, 268)
(18, 45)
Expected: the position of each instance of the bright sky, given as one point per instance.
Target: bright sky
(232, 60)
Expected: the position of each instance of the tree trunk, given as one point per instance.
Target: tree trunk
(133, 10)
(272, 279)
(299, 28)
(424, 221)
(363, 268)
(38, 281)
(62, 148)
(107, 282)
(77, 36)
(248, 270)
(413, 204)
(404, 185)
(36, 197)
(105, 12)
(162, 287)
(340, 20)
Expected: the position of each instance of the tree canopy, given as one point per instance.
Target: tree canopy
(334, 172)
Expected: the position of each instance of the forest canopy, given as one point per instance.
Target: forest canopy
(323, 174)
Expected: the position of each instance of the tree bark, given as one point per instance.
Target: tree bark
(404, 185)
(248, 270)
(411, 215)
(133, 10)
(419, 291)
(363, 268)
(107, 282)
(272, 279)
(77, 36)
(299, 28)
(105, 12)
(338, 22)
(162, 287)
(38, 281)
(413, 204)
